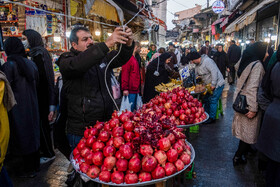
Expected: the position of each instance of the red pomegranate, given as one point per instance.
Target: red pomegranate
(160, 156)
(164, 144)
(171, 138)
(131, 178)
(93, 172)
(118, 132)
(93, 131)
(118, 155)
(90, 141)
(109, 150)
(149, 163)
(105, 176)
(85, 151)
(98, 146)
(172, 155)
(117, 177)
(158, 173)
(186, 158)
(178, 148)
(84, 167)
(118, 141)
(88, 158)
(128, 126)
(86, 133)
(124, 117)
(76, 152)
(170, 169)
(104, 136)
(109, 162)
(110, 142)
(81, 146)
(98, 125)
(97, 158)
(146, 150)
(179, 165)
(122, 164)
(145, 176)
(126, 151)
(128, 136)
(134, 164)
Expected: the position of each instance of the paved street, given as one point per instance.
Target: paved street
(214, 145)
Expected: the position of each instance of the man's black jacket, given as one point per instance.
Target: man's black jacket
(84, 83)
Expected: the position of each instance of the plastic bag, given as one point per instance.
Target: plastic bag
(125, 105)
(115, 87)
(139, 102)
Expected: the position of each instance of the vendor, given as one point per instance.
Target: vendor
(207, 69)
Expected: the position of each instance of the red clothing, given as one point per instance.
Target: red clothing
(131, 76)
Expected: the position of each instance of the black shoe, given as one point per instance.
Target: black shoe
(210, 120)
(239, 161)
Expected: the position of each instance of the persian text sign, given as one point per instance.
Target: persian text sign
(218, 7)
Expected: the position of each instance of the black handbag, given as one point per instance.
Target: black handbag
(240, 104)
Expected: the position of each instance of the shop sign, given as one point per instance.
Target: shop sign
(195, 30)
(218, 7)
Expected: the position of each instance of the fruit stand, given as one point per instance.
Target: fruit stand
(140, 148)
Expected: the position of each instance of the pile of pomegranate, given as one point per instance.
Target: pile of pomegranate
(141, 146)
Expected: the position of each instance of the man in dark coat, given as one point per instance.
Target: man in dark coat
(234, 54)
(24, 117)
(83, 74)
(206, 49)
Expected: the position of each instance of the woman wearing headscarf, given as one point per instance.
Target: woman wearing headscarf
(245, 127)
(45, 91)
(221, 59)
(157, 72)
(269, 139)
(24, 117)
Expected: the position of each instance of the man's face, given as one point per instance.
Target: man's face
(196, 61)
(220, 48)
(207, 44)
(84, 42)
(153, 48)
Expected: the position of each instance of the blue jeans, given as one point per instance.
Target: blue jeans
(211, 102)
(73, 140)
(132, 99)
(5, 180)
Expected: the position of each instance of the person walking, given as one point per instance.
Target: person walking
(221, 59)
(250, 72)
(131, 80)
(7, 102)
(185, 60)
(234, 54)
(206, 50)
(207, 69)
(24, 117)
(45, 90)
(269, 140)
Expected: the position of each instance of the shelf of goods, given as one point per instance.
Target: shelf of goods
(140, 148)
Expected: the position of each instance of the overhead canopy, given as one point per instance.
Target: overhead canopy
(247, 18)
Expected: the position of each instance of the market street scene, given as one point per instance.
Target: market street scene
(157, 93)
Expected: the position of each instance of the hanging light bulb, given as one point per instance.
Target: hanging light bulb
(68, 34)
(109, 34)
(57, 37)
(97, 32)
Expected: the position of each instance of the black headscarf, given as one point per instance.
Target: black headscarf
(253, 53)
(266, 83)
(16, 53)
(218, 53)
(162, 58)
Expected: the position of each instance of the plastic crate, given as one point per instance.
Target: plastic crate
(189, 174)
(194, 129)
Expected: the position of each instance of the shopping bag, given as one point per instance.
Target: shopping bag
(125, 105)
(115, 87)
(139, 102)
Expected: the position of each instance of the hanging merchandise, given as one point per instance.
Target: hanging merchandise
(49, 24)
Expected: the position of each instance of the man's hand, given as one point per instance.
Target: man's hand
(213, 88)
(119, 37)
(51, 115)
(125, 93)
(250, 114)
(130, 36)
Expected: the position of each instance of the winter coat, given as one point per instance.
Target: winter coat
(83, 79)
(269, 139)
(221, 60)
(209, 72)
(131, 76)
(234, 54)
(203, 50)
(244, 128)
(24, 117)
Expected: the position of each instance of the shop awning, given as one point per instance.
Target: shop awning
(218, 21)
(246, 18)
